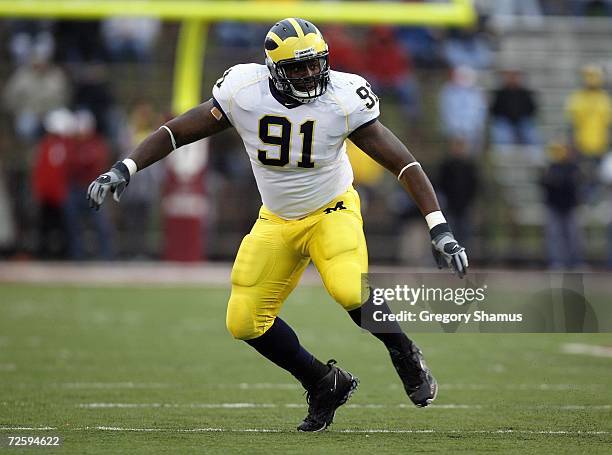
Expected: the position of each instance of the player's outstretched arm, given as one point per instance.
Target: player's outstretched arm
(200, 122)
(387, 150)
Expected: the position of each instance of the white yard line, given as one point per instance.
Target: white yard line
(295, 386)
(239, 405)
(259, 405)
(277, 430)
(587, 349)
(178, 405)
(266, 385)
(542, 387)
(113, 385)
(27, 428)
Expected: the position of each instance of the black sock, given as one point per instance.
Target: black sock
(280, 345)
(389, 332)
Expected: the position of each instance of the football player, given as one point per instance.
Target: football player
(294, 114)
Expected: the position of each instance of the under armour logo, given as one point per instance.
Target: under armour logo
(339, 206)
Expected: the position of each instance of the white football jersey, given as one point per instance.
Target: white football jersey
(297, 151)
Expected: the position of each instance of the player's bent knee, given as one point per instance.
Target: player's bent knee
(345, 286)
(240, 320)
(241, 331)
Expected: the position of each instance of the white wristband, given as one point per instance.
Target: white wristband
(131, 165)
(171, 136)
(434, 218)
(414, 163)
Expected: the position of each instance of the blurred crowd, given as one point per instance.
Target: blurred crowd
(66, 123)
(66, 126)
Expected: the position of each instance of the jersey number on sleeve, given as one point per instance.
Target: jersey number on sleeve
(366, 93)
(283, 141)
(222, 78)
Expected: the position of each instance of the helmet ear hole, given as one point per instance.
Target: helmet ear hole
(270, 44)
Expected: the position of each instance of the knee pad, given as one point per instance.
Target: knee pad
(344, 284)
(240, 319)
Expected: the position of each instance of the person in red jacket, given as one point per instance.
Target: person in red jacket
(344, 51)
(89, 156)
(50, 183)
(391, 71)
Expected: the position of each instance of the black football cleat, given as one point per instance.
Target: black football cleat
(327, 395)
(419, 384)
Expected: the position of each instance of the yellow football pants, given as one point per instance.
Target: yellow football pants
(273, 256)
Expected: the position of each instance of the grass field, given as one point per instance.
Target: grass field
(146, 370)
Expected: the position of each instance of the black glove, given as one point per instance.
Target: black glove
(446, 251)
(115, 181)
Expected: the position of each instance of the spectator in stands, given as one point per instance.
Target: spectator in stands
(32, 91)
(240, 35)
(93, 92)
(589, 111)
(28, 37)
(389, 69)
(423, 44)
(50, 183)
(462, 108)
(344, 54)
(606, 179)
(89, 156)
(79, 41)
(561, 183)
(506, 13)
(468, 47)
(8, 236)
(458, 181)
(592, 8)
(130, 38)
(513, 110)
